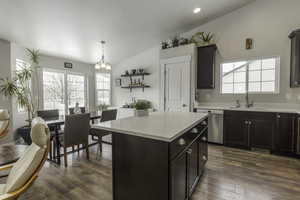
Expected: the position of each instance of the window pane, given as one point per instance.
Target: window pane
(53, 85)
(240, 88)
(76, 90)
(269, 63)
(268, 75)
(240, 65)
(240, 77)
(254, 87)
(255, 65)
(103, 84)
(228, 78)
(227, 89)
(227, 67)
(103, 97)
(254, 76)
(268, 87)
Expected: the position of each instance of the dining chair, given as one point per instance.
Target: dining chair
(107, 115)
(49, 115)
(26, 170)
(71, 110)
(4, 123)
(76, 132)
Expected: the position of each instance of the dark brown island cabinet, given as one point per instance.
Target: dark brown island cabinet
(206, 67)
(150, 169)
(277, 132)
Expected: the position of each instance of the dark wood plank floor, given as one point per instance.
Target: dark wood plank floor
(231, 174)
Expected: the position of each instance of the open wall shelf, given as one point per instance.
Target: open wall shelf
(131, 86)
(134, 87)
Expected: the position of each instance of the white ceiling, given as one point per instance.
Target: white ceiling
(72, 28)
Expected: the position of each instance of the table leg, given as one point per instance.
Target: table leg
(57, 145)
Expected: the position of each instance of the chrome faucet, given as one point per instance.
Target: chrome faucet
(248, 104)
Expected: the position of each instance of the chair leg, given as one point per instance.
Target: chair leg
(100, 144)
(65, 156)
(50, 150)
(78, 148)
(87, 151)
(72, 149)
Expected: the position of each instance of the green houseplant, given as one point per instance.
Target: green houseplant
(142, 108)
(20, 85)
(203, 38)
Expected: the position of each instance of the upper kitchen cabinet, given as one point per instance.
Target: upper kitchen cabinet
(206, 67)
(295, 59)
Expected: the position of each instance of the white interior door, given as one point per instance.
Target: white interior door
(177, 86)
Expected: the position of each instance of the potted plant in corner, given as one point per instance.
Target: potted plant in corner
(20, 86)
(142, 108)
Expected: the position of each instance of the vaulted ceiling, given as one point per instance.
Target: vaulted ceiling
(73, 28)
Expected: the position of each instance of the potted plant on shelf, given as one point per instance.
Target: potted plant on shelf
(20, 86)
(142, 108)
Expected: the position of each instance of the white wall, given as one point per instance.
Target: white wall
(268, 22)
(5, 72)
(148, 60)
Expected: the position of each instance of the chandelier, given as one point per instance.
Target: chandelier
(102, 64)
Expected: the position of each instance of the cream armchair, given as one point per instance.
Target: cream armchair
(4, 123)
(24, 172)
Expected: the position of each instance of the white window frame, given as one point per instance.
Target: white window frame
(66, 72)
(96, 89)
(277, 74)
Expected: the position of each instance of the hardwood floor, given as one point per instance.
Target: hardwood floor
(231, 174)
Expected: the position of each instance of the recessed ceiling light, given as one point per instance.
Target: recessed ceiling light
(197, 10)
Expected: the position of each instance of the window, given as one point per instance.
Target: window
(20, 64)
(76, 90)
(61, 93)
(54, 91)
(254, 76)
(103, 84)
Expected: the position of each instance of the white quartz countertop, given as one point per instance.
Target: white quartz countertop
(164, 126)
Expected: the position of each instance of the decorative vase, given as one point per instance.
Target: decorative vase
(141, 113)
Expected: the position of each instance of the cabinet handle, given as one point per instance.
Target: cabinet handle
(204, 158)
(249, 122)
(181, 142)
(278, 116)
(204, 123)
(190, 151)
(246, 122)
(204, 139)
(194, 130)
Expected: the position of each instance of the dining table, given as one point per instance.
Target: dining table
(55, 124)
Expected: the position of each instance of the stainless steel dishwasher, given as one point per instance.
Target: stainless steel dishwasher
(215, 125)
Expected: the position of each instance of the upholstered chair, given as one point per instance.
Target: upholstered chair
(24, 172)
(4, 123)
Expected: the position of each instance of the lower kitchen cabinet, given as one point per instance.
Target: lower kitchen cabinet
(286, 136)
(179, 177)
(276, 132)
(236, 133)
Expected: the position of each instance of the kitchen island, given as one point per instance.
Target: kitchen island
(157, 157)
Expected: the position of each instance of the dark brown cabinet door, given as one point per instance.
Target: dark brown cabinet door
(179, 178)
(193, 166)
(286, 137)
(236, 131)
(262, 133)
(203, 151)
(295, 59)
(206, 67)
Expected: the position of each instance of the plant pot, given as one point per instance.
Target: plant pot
(141, 113)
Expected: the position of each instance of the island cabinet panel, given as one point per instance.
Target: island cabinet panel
(140, 168)
(150, 169)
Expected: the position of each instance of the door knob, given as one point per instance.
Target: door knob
(190, 151)
(181, 142)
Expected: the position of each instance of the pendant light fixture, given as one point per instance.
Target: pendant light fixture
(102, 64)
